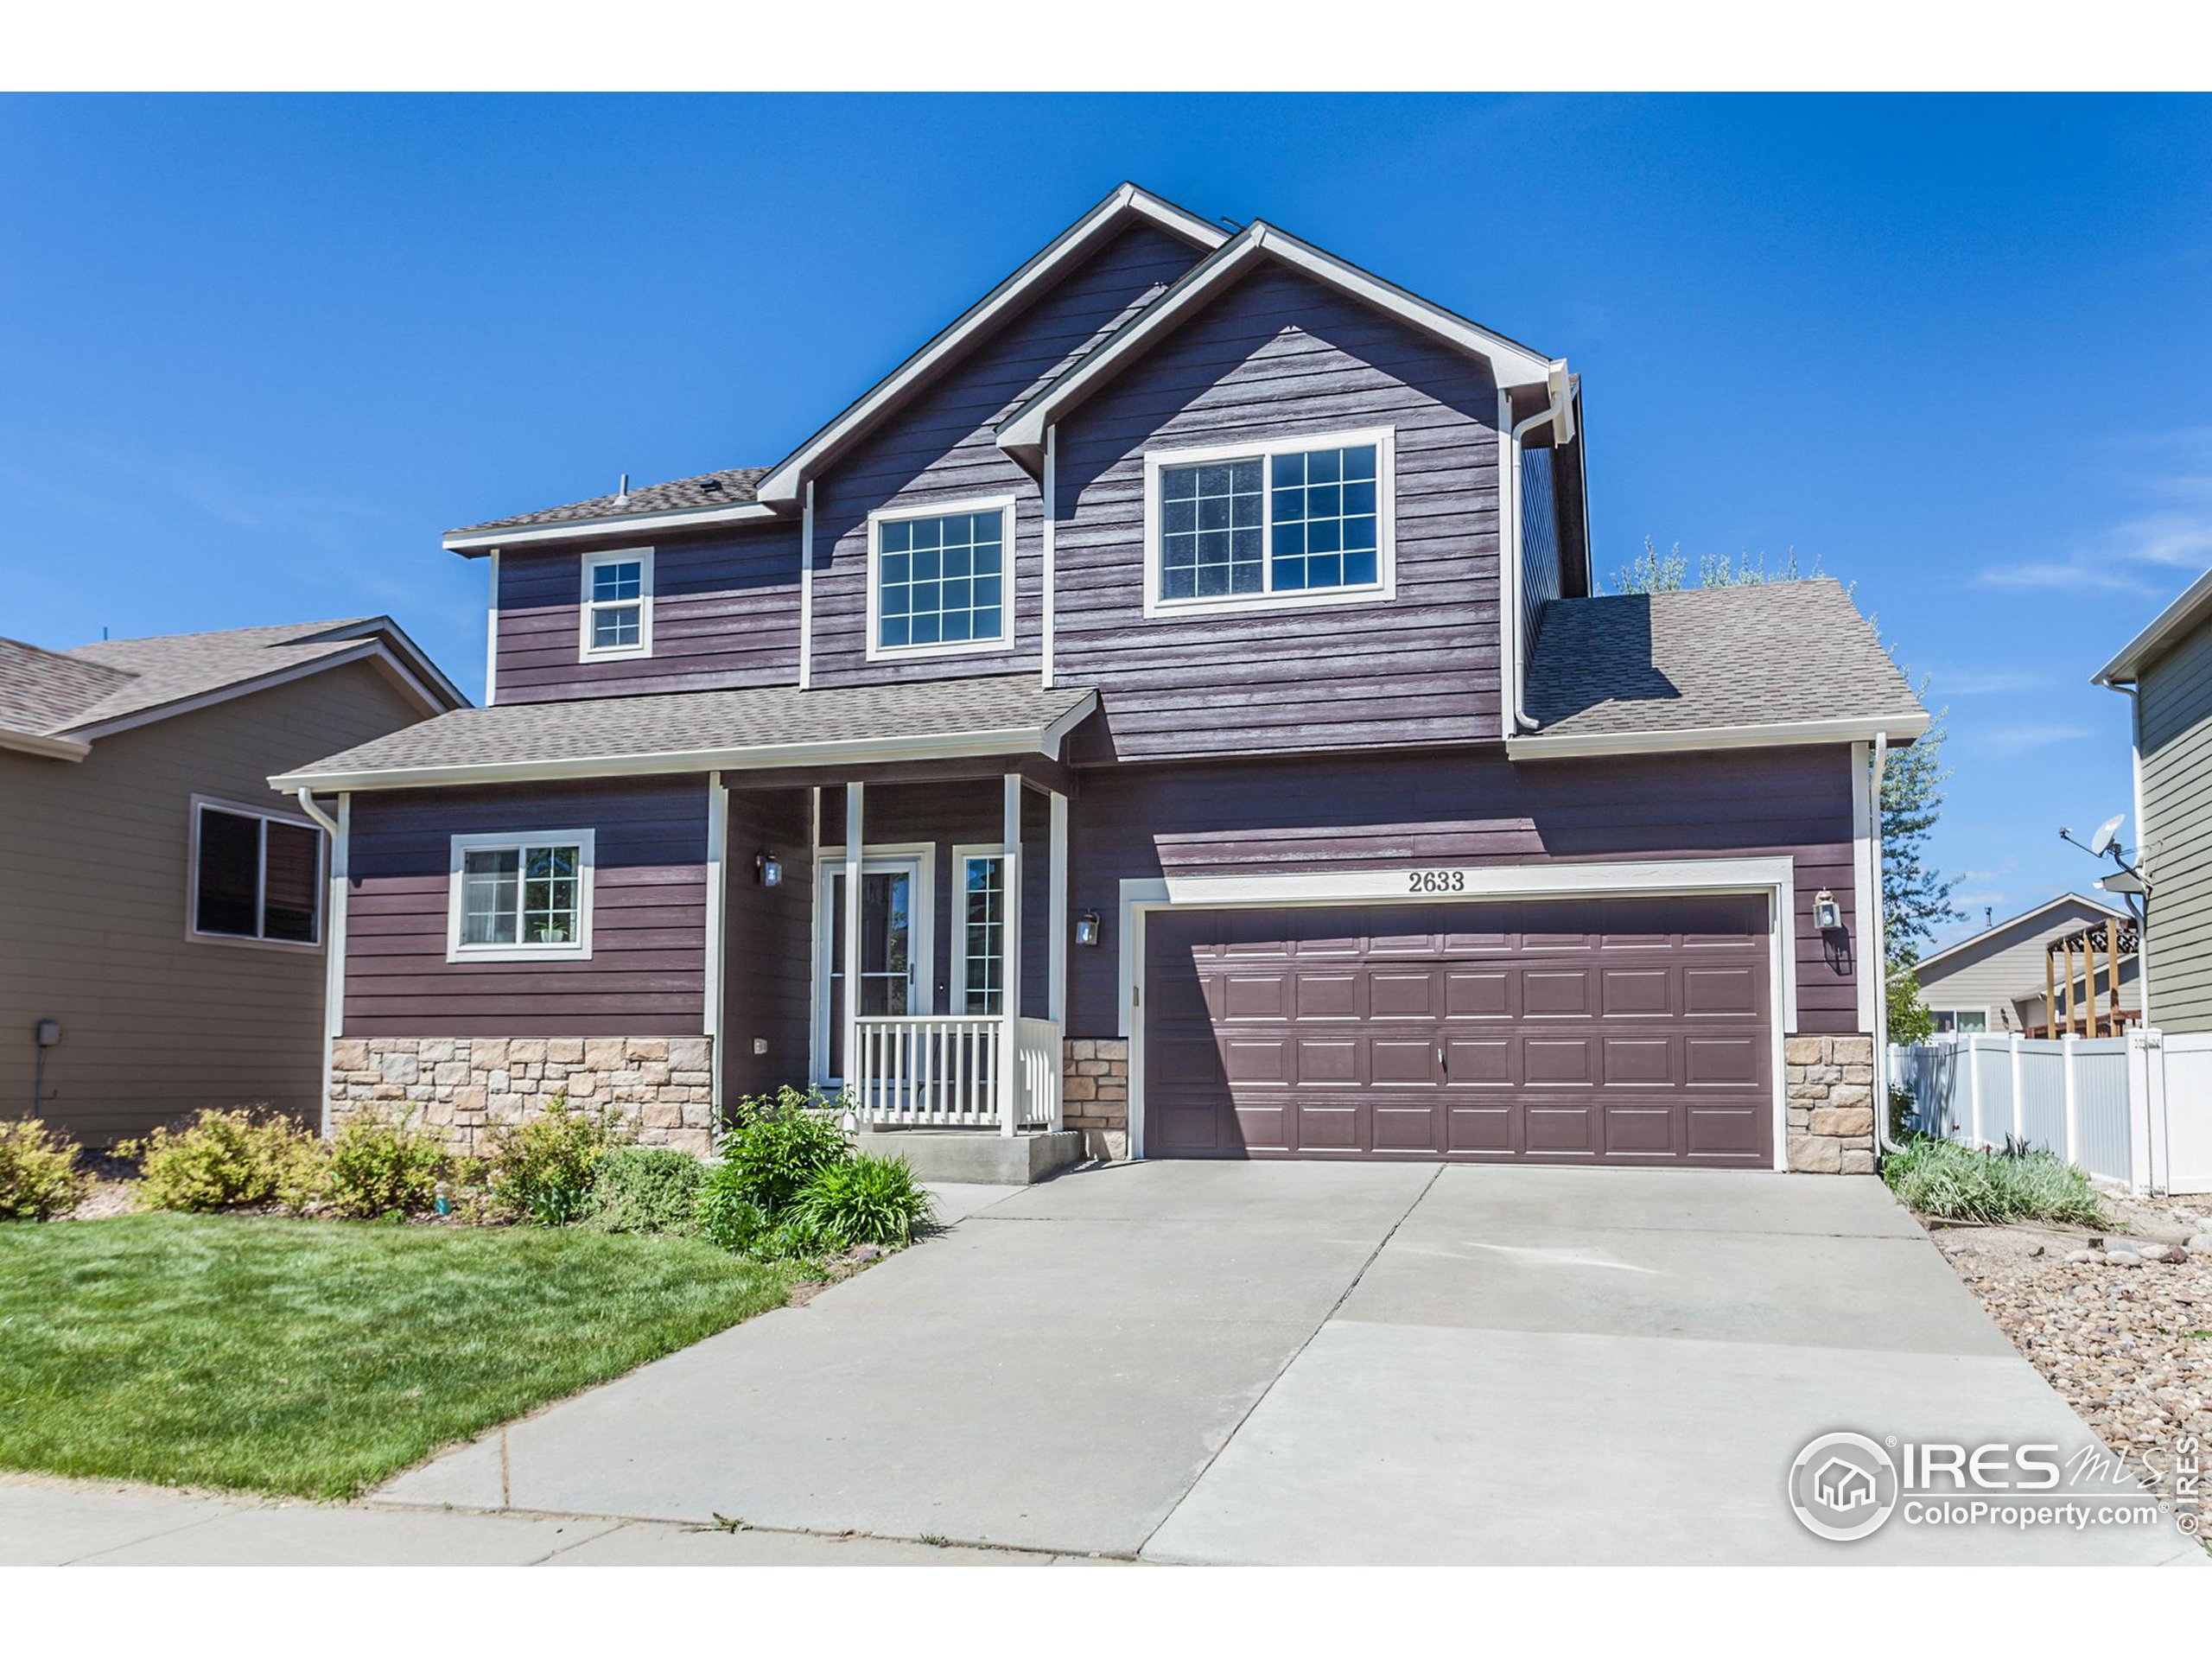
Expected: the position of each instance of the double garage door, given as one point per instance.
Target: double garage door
(1620, 1031)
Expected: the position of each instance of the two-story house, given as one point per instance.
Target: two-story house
(1173, 703)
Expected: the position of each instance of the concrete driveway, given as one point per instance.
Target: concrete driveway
(1306, 1363)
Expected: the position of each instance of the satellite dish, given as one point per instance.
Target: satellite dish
(2102, 840)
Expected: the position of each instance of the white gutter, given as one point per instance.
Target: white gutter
(483, 540)
(1560, 411)
(1850, 729)
(306, 797)
(50, 748)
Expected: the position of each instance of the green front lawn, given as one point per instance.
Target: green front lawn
(318, 1358)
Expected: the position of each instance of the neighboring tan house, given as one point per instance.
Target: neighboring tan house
(1175, 695)
(161, 921)
(2167, 669)
(1994, 981)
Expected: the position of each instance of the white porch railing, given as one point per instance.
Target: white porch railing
(945, 1071)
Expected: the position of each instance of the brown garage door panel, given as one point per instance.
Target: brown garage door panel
(1614, 1031)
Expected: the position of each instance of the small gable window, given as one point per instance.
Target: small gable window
(938, 583)
(618, 604)
(1292, 521)
(255, 876)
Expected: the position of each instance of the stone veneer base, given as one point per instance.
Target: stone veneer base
(1094, 1093)
(465, 1086)
(1829, 1094)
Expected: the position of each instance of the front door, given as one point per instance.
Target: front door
(891, 948)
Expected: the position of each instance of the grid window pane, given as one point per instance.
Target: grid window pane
(614, 626)
(938, 580)
(982, 932)
(489, 881)
(288, 908)
(617, 582)
(1323, 507)
(1210, 540)
(549, 894)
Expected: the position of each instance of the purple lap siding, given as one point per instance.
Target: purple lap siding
(725, 614)
(1142, 822)
(768, 945)
(942, 450)
(647, 972)
(1277, 355)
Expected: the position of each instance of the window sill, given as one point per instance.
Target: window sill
(578, 952)
(914, 653)
(194, 936)
(1300, 600)
(616, 654)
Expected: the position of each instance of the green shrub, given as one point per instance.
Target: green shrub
(867, 1200)
(727, 1218)
(542, 1170)
(776, 1147)
(222, 1160)
(646, 1190)
(383, 1165)
(1943, 1179)
(39, 1176)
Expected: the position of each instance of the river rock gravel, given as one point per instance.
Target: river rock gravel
(2123, 1333)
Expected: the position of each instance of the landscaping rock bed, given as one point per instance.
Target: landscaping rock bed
(2118, 1321)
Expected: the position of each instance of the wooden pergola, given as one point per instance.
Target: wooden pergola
(2070, 1000)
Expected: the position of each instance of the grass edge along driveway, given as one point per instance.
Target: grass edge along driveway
(316, 1359)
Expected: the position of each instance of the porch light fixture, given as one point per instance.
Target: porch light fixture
(767, 869)
(1086, 928)
(1827, 915)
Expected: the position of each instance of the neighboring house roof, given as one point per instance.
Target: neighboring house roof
(1022, 433)
(2194, 607)
(2073, 903)
(701, 731)
(57, 703)
(1765, 664)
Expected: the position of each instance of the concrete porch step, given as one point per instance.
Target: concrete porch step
(982, 1155)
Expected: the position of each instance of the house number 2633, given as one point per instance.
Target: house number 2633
(1436, 880)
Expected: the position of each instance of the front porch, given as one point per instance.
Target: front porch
(927, 909)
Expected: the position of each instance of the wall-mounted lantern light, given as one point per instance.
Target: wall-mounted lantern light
(1827, 915)
(1086, 928)
(767, 870)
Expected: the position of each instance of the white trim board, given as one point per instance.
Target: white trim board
(1852, 728)
(1514, 364)
(780, 486)
(1775, 876)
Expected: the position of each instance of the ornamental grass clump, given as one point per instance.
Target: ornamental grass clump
(790, 1187)
(1955, 1183)
(40, 1178)
(866, 1200)
(229, 1160)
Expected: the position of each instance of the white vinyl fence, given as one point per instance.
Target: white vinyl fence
(2135, 1110)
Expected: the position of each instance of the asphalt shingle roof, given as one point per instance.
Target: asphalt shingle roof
(685, 723)
(724, 489)
(1764, 654)
(53, 694)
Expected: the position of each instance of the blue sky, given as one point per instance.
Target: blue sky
(254, 354)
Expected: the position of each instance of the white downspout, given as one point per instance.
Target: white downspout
(1558, 409)
(1883, 1141)
(307, 806)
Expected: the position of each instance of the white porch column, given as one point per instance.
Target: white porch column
(1056, 961)
(851, 925)
(717, 913)
(1010, 962)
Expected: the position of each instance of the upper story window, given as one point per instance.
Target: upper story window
(939, 581)
(1291, 521)
(518, 898)
(618, 604)
(255, 875)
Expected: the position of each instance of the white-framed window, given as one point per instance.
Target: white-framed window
(1292, 521)
(940, 581)
(520, 897)
(979, 930)
(617, 605)
(257, 876)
